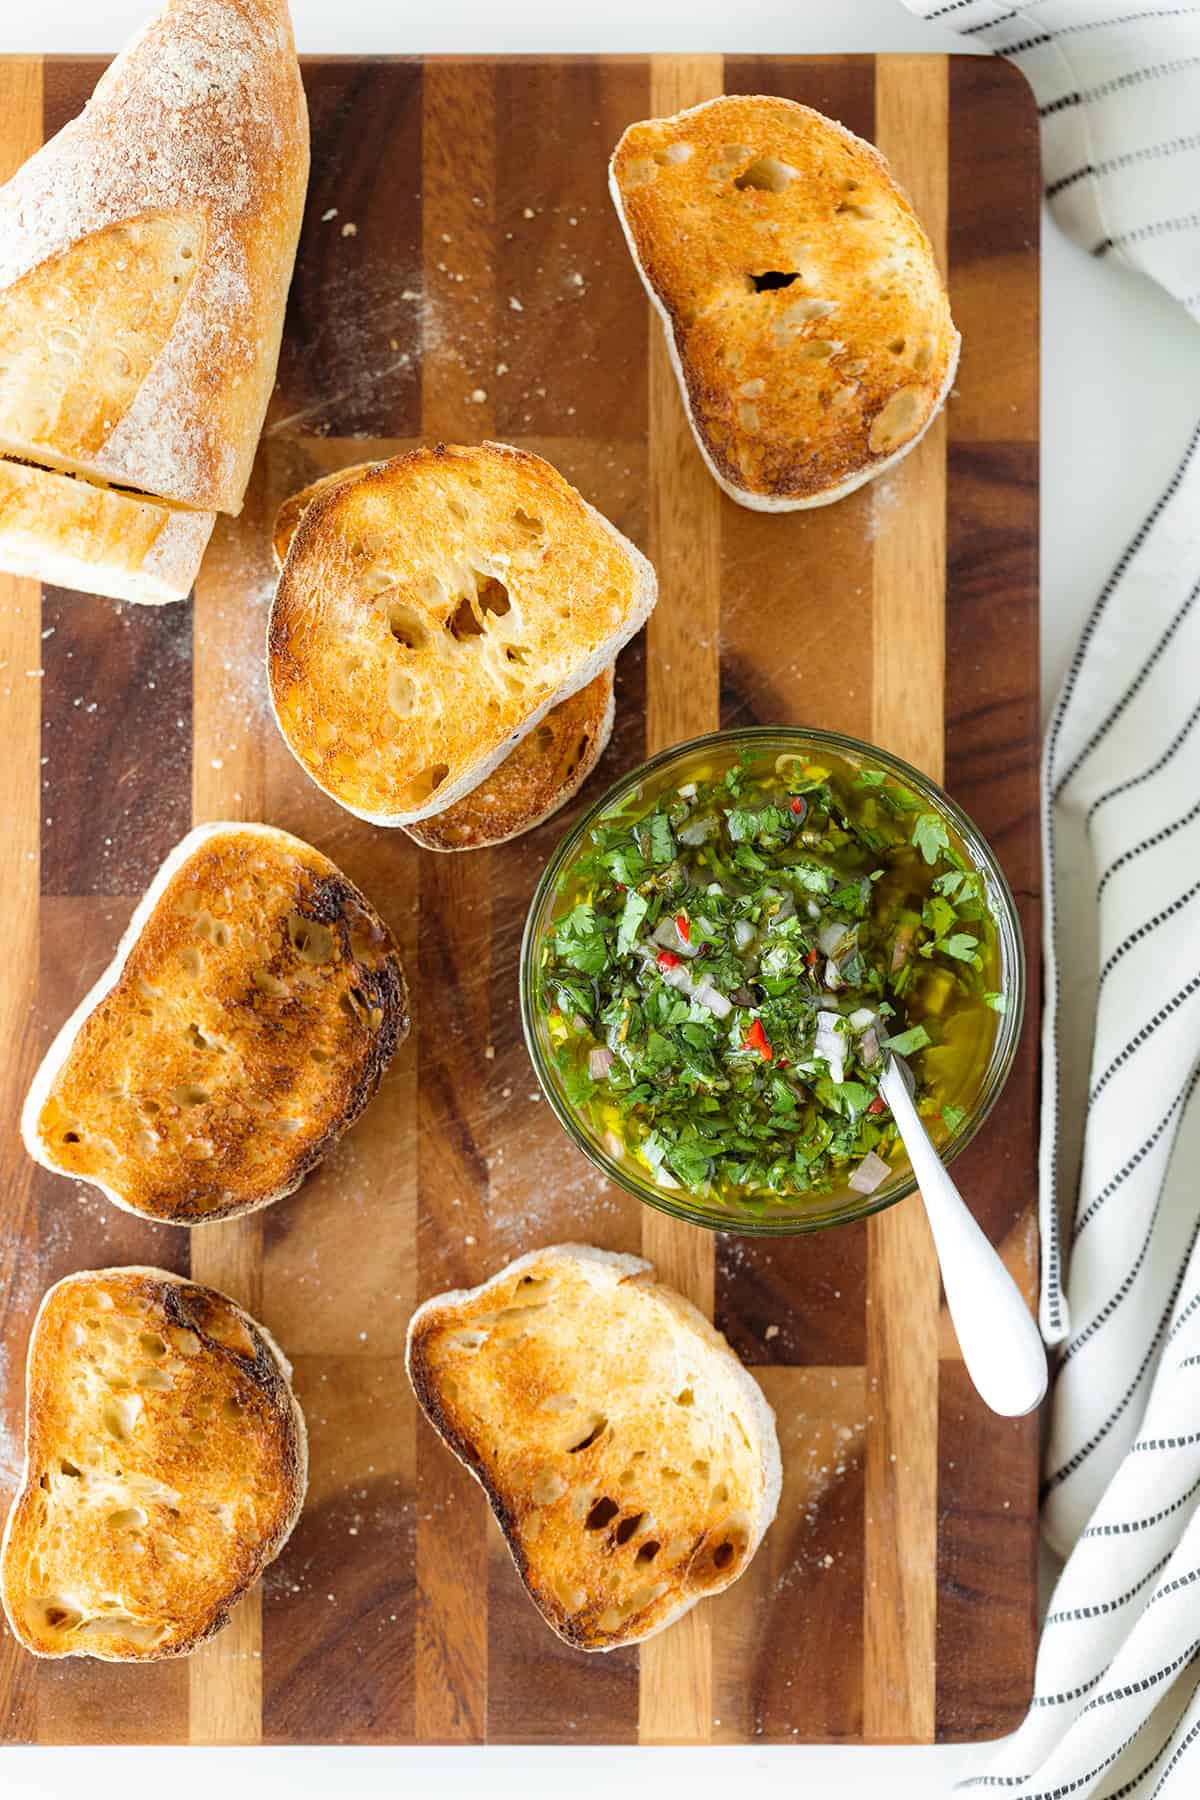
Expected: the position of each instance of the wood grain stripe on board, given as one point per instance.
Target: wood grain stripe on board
(682, 700)
(900, 1594)
(225, 1676)
(20, 714)
(455, 954)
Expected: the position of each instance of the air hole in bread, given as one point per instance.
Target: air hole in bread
(402, 694)
(269, 984)
(672, 153)
(817, 350)
(526, 522)
(627, 1527)
(318, 1056)
(647, 1552)
(543, 737)
(686, 1397)
(770, 279)
(856, 211)
(720, 1494)
(312, 941)
(183, 1341)
(897, 420)
(406, 625)
(468, 1340)
(584, 1443)
(767, 174)
(425, 783)
(463, 622)
(897, 346)
(70, 1137)
(152, 1343)
(149, 1377)
(548, 1486)
(189, 1095)
(669, 1474)
(58, 1616)
(517, 653)
(190, 958)
(723, 1555)
(127, 1518)
(602, 1513)
(69, 1469)
(571, 1596)
(121, 1415)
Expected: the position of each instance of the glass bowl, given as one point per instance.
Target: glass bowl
(768, 1215)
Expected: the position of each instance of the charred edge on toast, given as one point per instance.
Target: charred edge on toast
(327, 902)
(577, 1629)
(189, 1306)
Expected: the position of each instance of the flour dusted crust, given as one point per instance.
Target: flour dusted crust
(631, 1461)
(145, 256)
(430, 613)
(166, 1461)
(805, 316)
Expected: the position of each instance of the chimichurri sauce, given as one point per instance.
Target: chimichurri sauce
(733, 956)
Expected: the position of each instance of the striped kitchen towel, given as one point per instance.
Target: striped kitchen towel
(1116, 1710)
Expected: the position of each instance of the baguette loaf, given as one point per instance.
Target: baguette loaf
(246, 1020)
(430, 613)
(804, 313)
(165, 1466)
(547, 768)
(145, 255)
(98, 540)
(629, 1458)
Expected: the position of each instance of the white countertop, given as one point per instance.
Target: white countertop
(1121, 391)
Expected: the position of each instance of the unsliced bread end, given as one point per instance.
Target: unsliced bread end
(75, 534)
(631, 1461)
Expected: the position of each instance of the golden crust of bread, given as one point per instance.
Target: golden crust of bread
(75, 534)
(145, 256)
(547, 768)
(630, 1460)
(166, 1462)
(429, 614)
(801, 298)
(248, 1018)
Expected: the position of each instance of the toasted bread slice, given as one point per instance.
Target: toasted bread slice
(165, 1466)
(430, 613)
(630, 1460)
(547, 768)
(98, 540)
(292, 510)
(247, 1018)
(805, 316)
(145, 255)
(535, 780)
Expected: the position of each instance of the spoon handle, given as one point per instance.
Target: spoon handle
(997, 1334)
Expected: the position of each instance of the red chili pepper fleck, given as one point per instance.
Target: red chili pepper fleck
(876, 1105)
(799, 806)
(756, 1039)
(683, 926)
(667, 959)
(811, 959)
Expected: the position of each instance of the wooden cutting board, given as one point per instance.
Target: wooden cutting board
(461, 275)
